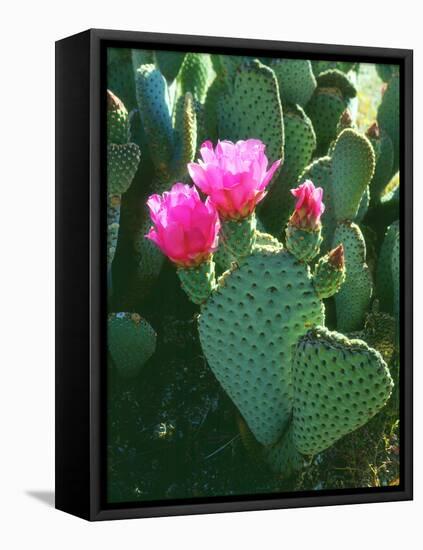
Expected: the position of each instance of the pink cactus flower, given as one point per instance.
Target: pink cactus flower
(185, 228)
(309, 206)
(233, 175)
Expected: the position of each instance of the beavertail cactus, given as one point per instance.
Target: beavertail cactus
(330, 99)
(353, 299)
(388, 115)
(120, 79)
(131, 342)
(344, 176)
(353, 164)
(384, 160)
(252, 318)
(196, 75)
(247, 329)
(300, 143)
(122, 163)
(283, 208)
(395, 270)
(329, 273)
(252, 107)
(384, 276)
(255, 316)
(296, 80)
(339, 384)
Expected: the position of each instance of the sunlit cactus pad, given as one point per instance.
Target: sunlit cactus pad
(339, 384)
(247, 330)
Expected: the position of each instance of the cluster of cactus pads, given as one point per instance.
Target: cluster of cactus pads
(288, 295)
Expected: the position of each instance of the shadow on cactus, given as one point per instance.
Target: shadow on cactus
(253, 253)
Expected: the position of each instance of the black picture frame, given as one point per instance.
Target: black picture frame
(80, 273)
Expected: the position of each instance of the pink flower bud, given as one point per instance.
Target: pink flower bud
(233, 175)
(185, 228)
(309, 206)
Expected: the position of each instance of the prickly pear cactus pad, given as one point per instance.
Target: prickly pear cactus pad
(122, 164)
(339, 384)
(253, 108)
(253, 274)
(353, 299)
(247, 330)
(300, 143)
(353, 165)
(388, 115)
(131, 342)
(296, 80)
(154, 109)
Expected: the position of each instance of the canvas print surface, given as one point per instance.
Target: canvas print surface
(253, 275)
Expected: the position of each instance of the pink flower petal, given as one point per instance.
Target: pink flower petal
(198, 176)
(234, 175)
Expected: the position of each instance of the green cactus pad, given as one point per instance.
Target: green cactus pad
(395, 268)
(303, 243)
(196, 75)
(329, 274)
(388, 115)
(148, 257)
(113, 217)
(247, 330)
(117, 120)
(169, 63)
(334, 78)
(384, 165)
(363, 207)
(283, 457)
(226, 66)
(153, 104)
(339, 384)
(300, 142)
(253, 109)
(384, 280)
(185, 135)
(202, 134)
(353, 299)
(320, 173)
(211, 106)
(122, 164)
(296, 80)
(131, 342)
(198, 282)
(324, 110)
(236, 240)
(353, 164)
(120, 76)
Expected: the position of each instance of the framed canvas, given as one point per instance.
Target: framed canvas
(234, 274)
